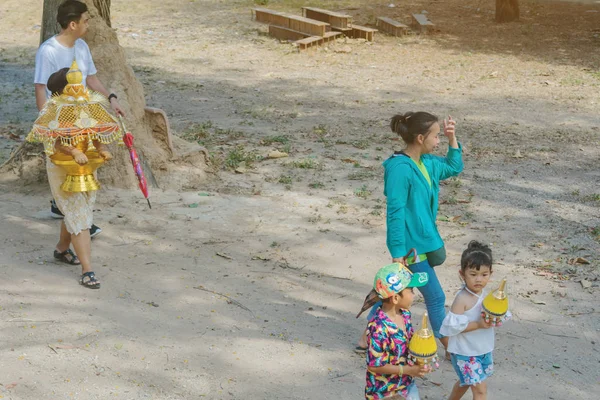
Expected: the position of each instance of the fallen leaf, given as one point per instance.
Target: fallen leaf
(581, 260)
(586, 284)
(349, 161)
(277, 154)
(518, 154)
(11, 385)
(541, 302)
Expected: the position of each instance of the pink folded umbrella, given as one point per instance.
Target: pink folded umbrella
(137, 165)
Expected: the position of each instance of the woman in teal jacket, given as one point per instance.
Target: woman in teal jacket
(411, 186)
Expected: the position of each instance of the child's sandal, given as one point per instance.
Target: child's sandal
(66, 256)
(89, 280)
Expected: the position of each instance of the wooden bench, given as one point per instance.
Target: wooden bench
(336, 20)
(270, 17)
(392, 27)
(309, 42)
(286, 33)
(362, 32)
(421, 23)
(307, 25)
(317, 40)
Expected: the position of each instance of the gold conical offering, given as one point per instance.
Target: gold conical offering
(422, 349)
(495, 305)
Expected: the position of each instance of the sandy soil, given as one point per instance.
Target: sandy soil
(247, 287)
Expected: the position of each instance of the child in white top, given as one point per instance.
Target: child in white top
(471, 339)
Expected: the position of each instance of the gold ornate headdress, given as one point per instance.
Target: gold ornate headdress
(76, 115)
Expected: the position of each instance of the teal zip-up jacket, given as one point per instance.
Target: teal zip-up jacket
(412, 204)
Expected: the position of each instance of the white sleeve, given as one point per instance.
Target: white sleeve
(454, 324)
(91, 67)
(43, 66)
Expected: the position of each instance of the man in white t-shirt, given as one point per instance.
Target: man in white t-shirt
(59, 52)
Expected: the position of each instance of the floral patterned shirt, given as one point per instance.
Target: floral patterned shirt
(387, 345)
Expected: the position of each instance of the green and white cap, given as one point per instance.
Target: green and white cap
(394, 278)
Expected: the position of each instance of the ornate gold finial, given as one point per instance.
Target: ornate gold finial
(425, 332)
(500, 294)
(74, 76)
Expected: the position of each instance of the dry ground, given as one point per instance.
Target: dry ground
(293, 243)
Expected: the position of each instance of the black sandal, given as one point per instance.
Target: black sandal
(64, 257)
(91, 282)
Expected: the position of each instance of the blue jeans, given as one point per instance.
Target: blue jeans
(432, 293)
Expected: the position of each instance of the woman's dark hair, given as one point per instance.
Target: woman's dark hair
(412, 124)
(57, 81)
(70, 11)
(476, 255)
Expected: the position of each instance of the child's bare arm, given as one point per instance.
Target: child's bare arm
(459, 306)
(102, 150)
(412, 370)
(79, 157)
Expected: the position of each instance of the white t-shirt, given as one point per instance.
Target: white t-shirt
(52, 56)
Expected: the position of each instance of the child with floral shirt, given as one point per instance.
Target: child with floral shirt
(388, 333)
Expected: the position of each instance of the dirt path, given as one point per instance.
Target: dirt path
(292, 244)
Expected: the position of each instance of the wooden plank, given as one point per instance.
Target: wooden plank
(330, 36)
(335, 19)
(309, 42)
(343, 30)
(421, 23)
(362, 32)
(307, 25)
(392, 27)
(285, 33)
(270, 17)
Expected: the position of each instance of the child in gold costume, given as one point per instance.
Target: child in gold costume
(74, 127)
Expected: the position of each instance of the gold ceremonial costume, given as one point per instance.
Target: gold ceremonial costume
(76, 118)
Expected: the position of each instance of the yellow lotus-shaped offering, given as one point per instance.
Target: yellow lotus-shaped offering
(495, 305)
(76, 118)
(422, 348)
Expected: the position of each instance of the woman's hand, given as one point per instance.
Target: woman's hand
(401, 260)
(449, 125)
(450, 132)
(79, 157)
(105, 155)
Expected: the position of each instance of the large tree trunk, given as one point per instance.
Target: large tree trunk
(103, 7)
(507, 10)
(153, 140)
(49, 25)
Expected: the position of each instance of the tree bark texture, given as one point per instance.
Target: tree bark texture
(49, 25)
(507, 10)
(103, 7)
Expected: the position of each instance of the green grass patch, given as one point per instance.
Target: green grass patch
(307, 163)
(239, 155)
(363, 192)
